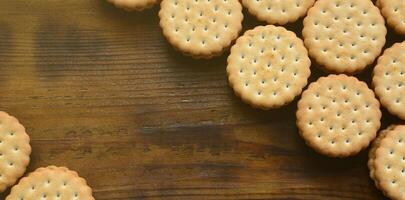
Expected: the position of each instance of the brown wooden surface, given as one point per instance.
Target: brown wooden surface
(101, 92)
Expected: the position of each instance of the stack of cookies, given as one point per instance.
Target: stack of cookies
(268, 67)
(339, 115)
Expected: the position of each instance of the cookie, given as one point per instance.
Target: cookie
(268, 67)
(201, 28)
(344, 36)
(389, 79)
(278, 12)
(51, 183)
(371, 154)
(338, 115)
(394, 12)
(389, 163)
(15, 150)
(131, 5)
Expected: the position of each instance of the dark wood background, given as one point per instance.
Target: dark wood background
(101, 92)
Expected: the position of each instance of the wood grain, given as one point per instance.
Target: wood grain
(101, 92)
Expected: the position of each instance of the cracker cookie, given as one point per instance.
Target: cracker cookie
(268, 67)
(201, 28)
(374, 145)
(344, 36)
(278, 11)
(338, 115)
(15, 150)
(389, 79)
(131, 5)
(388, 163)
(394, 12)
(51, 183)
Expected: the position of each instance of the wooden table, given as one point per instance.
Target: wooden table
(101, 92)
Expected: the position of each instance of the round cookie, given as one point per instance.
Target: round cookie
(389, 163)
(268, 67)
(131, 5)
(389, 79)
(344, 36)
(15, 150)
(394, 12)
(371, 154)
(338, 115)
(201, 28)
(51, 183)
(278, 11)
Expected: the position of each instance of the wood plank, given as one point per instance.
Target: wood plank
(101, 92)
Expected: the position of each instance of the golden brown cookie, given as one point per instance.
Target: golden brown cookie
(201, 28)
(51, 183)
(278, 11)
(371, 154)
(15, 150)
(268, 67)
(389, 163)
(389, 79)
(394, 12)
(338, 115)
(344, 36)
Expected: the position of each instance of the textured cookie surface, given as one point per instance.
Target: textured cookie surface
(134, 4)
(268, 66)
(201, 28)
(15, 150)
(278, 11)
(51, 183)
(389, 79)
(374, 146)
(389, 163)
(338, 115)
(344, 36)
(394, 12)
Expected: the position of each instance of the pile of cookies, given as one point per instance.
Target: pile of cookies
(269, 66)
(44, 183)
